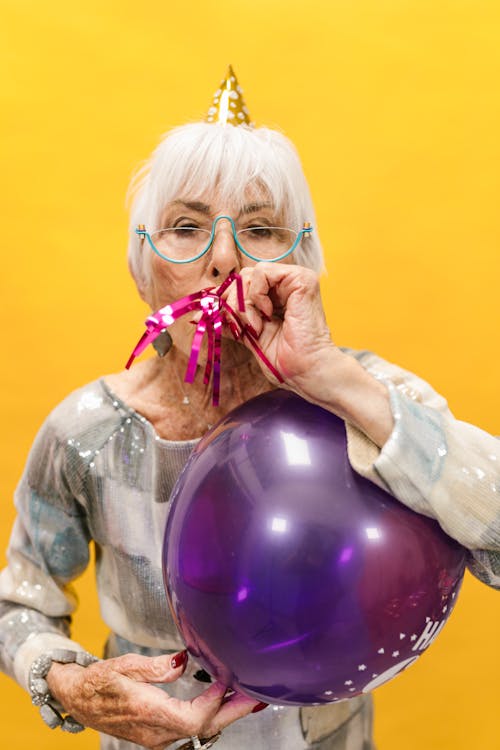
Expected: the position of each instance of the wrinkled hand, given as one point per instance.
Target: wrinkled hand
(284, 308)
(119, 697)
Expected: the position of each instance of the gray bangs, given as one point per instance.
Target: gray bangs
(222, 161)
(229, 162)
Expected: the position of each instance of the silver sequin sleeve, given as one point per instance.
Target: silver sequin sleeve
(436, 465)
(48, 549)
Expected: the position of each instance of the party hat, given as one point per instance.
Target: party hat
(229, 106)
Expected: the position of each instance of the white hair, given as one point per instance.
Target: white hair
(197, 158)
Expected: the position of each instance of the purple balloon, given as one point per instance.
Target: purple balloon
(291, 578)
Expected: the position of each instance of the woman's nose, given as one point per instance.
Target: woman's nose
(224, 256)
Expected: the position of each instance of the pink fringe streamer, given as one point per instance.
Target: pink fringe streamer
(215, 311)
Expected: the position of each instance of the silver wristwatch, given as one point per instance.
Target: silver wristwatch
(200, 743)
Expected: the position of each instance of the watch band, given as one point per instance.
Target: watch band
(200, 743)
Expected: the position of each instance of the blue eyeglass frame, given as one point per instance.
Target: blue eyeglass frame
(141, 232)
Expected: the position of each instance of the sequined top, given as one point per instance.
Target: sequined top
(97, 471)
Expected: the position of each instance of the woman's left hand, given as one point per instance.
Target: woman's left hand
(284, 309)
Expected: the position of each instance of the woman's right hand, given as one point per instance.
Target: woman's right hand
(118, 697)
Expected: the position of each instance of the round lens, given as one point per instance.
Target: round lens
(180, 243)
(267, 243)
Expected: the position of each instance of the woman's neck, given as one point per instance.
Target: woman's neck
(156, 389)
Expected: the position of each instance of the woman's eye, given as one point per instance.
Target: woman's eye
(185, 230)
(187, 234)
(260, 232)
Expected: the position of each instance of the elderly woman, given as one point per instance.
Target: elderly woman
(214, 200)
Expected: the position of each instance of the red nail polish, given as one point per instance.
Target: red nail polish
(179, 659)
(259, 707)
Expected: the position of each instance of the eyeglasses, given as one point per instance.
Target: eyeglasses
(185, 244)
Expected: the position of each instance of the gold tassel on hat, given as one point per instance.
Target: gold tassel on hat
(229, 107)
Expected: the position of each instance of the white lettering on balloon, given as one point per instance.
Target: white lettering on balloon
(429, 633)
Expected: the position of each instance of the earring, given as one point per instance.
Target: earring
(163, 343)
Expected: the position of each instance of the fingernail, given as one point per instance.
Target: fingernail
(179, 659)
(259, 707)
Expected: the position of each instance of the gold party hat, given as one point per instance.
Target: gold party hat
(229, 107)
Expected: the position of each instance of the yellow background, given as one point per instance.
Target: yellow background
(394, 107)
